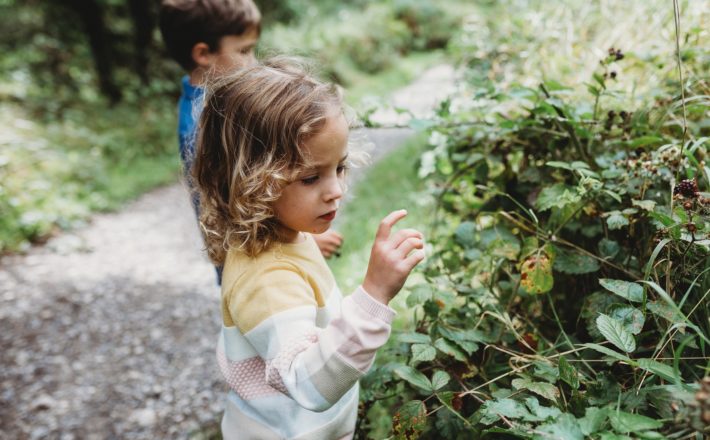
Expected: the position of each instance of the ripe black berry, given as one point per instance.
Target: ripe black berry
(687, 188)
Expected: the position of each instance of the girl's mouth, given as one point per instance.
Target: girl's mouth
(329, 216)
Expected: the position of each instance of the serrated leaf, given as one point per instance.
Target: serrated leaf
(409, 421)
(615, 333)
(419, 295)
(565, 427)
(540, 412)
(630, 317)
(536, 274)
(450, 349)
(440, 379)
(663, 310)
(627, 422)
(558, 195)
(575, 263)
(593, 420)
(423, 353)
(543, 389)
(631, 291)
(414, 377)
(568, 373)
(492, 410)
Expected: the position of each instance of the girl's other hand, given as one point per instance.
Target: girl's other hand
(392, 258)
(329, 242)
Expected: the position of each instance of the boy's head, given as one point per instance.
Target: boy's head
(210, 34)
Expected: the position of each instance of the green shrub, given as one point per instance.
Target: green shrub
(566, 293)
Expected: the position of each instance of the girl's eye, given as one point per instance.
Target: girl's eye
(342, 169)
(309, 180)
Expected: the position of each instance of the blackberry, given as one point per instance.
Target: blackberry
(687, 188)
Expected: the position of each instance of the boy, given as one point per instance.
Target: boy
(207, 38)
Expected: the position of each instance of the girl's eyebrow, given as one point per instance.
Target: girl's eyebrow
(321, 165)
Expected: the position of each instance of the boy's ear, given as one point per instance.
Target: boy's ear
(201, 55)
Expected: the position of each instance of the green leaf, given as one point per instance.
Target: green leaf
(568, 373)
(608, 352)
(466, 234)
(630, 317)
(616, 220)
(646, 205)
(450, 349)
(492, 410)
(543, 389)
(608, 248)
(661, 370)
(558, 195)
(419, 295)
(536, 274)
(423, 353)
(440, 379)
(575, 263)
(414, 338)
(540, 412)
(615, 333)
(663, 310)
(645, 140)
(409, 421)
(613, 436)
(627, 422)
(631, 291)
(414, 377)
(565, 427)
(557, 164)
(593, 420)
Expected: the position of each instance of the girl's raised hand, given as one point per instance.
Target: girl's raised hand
(392, 258)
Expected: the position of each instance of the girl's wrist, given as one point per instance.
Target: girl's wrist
(377, 294)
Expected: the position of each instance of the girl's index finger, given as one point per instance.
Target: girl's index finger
(383, 231)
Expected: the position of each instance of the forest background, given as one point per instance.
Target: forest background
(563, 190)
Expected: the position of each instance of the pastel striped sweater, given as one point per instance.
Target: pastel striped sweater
(291, 348)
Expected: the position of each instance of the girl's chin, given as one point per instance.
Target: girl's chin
(319, 229)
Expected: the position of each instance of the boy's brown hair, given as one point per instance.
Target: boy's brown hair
(184, 23)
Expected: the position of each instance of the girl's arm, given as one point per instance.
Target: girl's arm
(316, 366)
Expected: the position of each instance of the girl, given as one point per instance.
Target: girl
(270, 164)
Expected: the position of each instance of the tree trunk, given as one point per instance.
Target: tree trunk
(91, 16)
(143, 24)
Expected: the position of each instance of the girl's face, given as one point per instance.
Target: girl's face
(309, 203)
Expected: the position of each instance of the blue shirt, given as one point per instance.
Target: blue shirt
(189, 109)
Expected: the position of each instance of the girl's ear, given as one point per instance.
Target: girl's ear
(201, 55)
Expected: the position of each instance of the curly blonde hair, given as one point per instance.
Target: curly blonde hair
(251, 133)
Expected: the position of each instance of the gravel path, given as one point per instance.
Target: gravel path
(108, 332)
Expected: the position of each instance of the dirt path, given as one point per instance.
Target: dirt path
(109, 332)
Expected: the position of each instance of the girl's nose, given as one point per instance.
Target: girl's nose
(334, 190)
